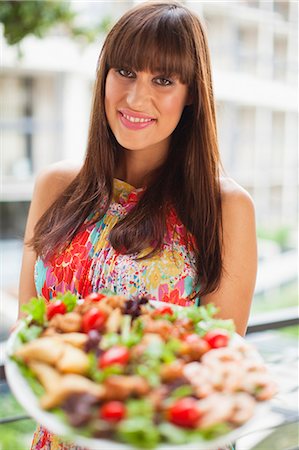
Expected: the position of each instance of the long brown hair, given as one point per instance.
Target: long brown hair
(166, 37)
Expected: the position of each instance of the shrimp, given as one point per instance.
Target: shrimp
(228, 377)
(260, 385)
(244, 406)
(220, 355)
(200, 377)
(216, 408)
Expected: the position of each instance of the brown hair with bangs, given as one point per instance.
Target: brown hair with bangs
(166, 37)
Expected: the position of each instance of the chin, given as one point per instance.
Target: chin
(131, 144)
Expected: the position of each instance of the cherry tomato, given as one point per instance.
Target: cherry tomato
(114, 355)
(57, 307)
(93, 319)
(113, 411)
(217, 338)
(162, 311)
(185, 413)
(94, 297)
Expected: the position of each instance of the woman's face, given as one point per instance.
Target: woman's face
(143, 108)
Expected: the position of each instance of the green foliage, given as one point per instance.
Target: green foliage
(22, 18)
(15, 435)
(284, 297)
(280, 235)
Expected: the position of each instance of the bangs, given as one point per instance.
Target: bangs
(154, 43)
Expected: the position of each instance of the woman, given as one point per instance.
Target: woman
(148, 212)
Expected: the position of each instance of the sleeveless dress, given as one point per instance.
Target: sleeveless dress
(90, 264)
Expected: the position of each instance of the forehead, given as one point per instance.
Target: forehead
(152, 50)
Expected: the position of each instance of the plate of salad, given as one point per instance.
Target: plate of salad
(118, 373)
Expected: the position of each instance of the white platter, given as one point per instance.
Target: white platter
(27, 399)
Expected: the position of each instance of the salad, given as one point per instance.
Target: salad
(135, 372)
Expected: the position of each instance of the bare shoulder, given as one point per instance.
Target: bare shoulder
(55, 178)
(234, 197)
(60, 173)
(51, 182)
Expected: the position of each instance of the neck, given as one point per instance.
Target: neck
(136, 167)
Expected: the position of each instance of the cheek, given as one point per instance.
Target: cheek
(174, 106)
(111, 93)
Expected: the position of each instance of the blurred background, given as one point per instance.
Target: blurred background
(49, 52)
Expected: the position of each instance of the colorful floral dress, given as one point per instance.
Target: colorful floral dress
(90, 264)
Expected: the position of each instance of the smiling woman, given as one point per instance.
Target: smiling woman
(148, 213)
(140, 101)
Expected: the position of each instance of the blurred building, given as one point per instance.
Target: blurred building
(254, 50)
(46, 97)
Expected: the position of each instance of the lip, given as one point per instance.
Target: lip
(134, 126)
(135, 114)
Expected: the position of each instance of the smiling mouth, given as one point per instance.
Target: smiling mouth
(135, 123)
(137, 119)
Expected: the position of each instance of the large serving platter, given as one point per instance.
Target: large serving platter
(27, 399)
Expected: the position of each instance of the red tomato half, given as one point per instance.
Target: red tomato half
(114, 355)
(57, 307)
(93, 320)
(95, 297)
(113, 411)
(184, 413)
(162, 311)
(217, 338)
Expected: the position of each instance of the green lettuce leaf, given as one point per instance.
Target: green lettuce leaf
(28, 374)
(139, 408)
(69, 299)
(139, 432)
(36, 308)
(28, 334)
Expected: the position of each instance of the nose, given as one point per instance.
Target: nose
(138, 94)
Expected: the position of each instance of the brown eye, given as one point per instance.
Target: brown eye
(125, 73)
(164, 81)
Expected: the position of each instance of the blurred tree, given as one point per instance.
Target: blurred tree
(37, 17)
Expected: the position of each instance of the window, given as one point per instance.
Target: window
(278, 142)
(280, 57)
(282, 8)
(246, 49)
(243, 143)
(16, 125)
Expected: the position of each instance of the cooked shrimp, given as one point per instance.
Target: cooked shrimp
(244, 406)
(216, 408)
(260, 385)
(220, 355)
(200, 377)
